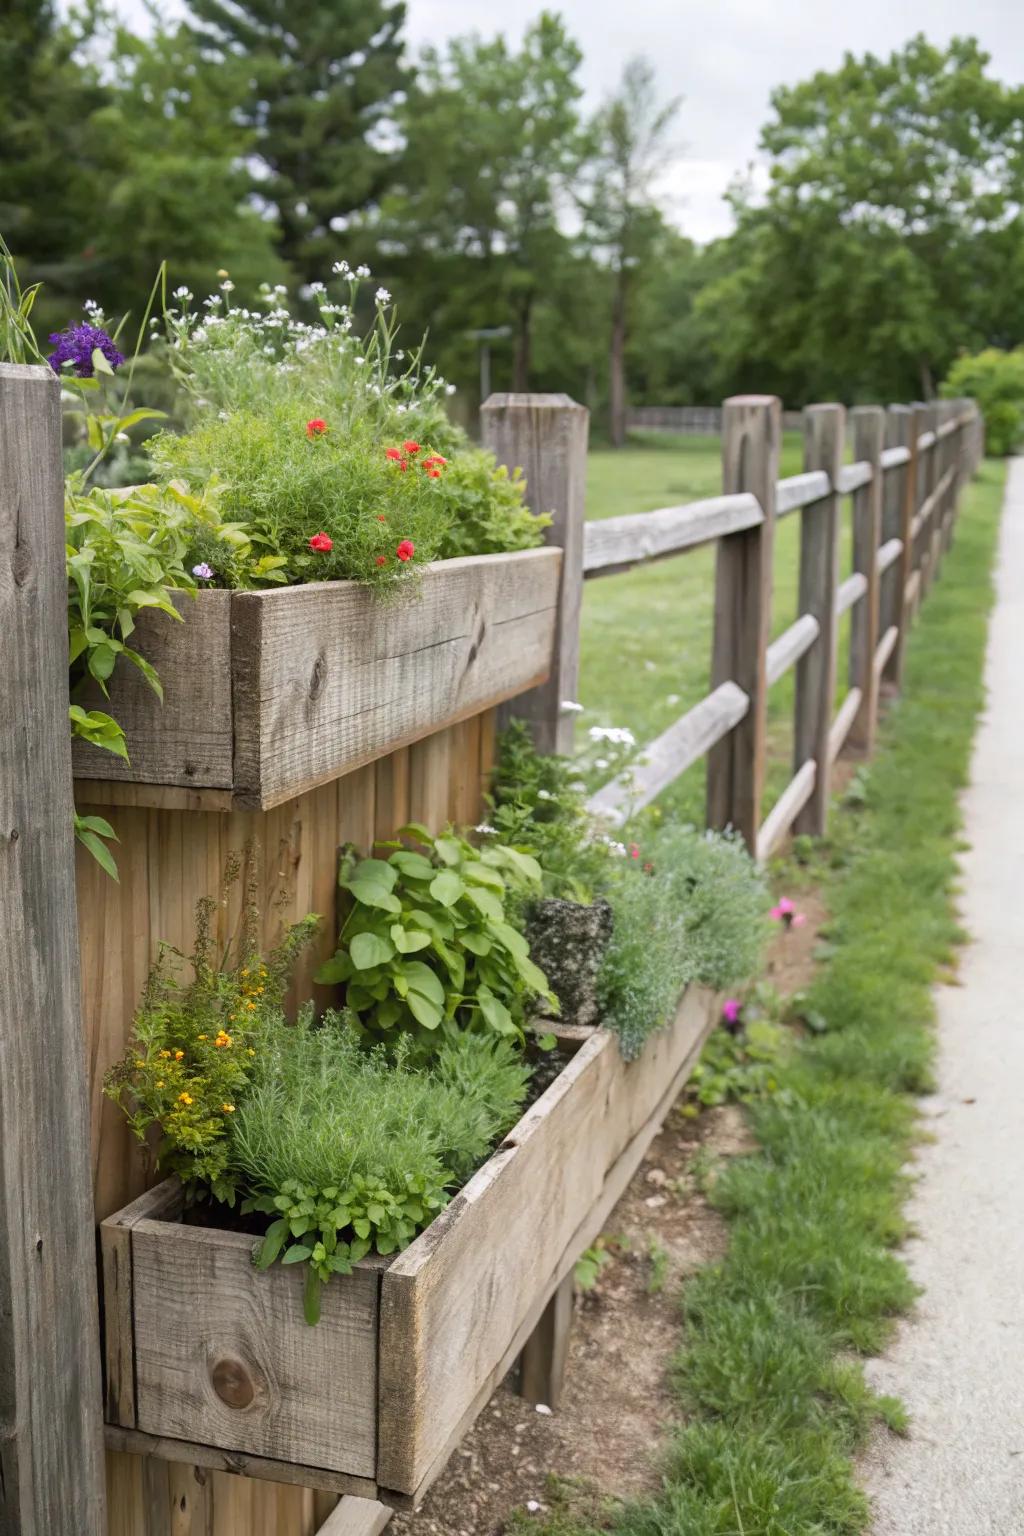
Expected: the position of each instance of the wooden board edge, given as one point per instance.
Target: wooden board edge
(137, 1442)
(137, 794)
(116, 1296)
(704, 1006)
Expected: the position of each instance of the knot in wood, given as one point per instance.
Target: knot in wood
(318, 677)
(21, 564)
(233, 1383)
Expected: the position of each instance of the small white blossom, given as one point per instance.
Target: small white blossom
(316, 288)
(600, 762)
(382, 296)
(362, 271)
(544, 794)
(341, 269)
(570, 707)
(486, 830)
(182, 292)
(359, 359)
(532, 1506)
(618, 735)
(450, 389)
(619, 849)
(227, 286)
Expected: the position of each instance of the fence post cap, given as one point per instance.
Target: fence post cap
(530, 402)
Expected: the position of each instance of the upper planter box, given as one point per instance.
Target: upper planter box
(268, 694)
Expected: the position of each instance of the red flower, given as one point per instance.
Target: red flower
(433, 461)
(381, 518)
(406, 550)
(382, 559)
(434, 474)
(393, 453)
(322, 543)
(411, 447)
(316, 428)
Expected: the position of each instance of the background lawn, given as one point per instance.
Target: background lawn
(646, 635)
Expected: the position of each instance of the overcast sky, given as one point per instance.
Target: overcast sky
(724, 57)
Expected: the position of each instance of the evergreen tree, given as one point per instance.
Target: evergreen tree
(324, 78)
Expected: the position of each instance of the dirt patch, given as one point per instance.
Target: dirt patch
(791, 962)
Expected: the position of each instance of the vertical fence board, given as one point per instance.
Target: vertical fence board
(743, 602)
(868, 436)
(898, 427)
(824, 429)
(546, 437)
(51, 1448)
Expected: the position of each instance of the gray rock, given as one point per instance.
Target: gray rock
(568, 942)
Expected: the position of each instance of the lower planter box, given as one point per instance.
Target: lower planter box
(209, 1360)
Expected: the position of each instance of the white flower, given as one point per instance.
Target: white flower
(570, 707)
(362, 271)
(449, 389)
(486, 830)
(341, 269)
(600, 762)
(544, 794)
(359, 359)
(532, 1506)
(578, 786)
(382, 296)
(618, 735)
(227, 286)
(619, 849)
(315, 288)
(182, 292)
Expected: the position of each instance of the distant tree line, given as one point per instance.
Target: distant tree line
(269, 137)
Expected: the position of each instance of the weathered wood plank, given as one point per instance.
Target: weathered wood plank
(888, 554)
(840, 727)
(356, 1517)
(546, 437)
(785, 810)
(850, 592)
(899, 517)
(898, 453)
(449, 1298)
(262, 1469)
(884, 651)
(670, 754)
(326, 679)
(617, 543)
(852, 477)
(786, 651)
(165, 1202)
(187, 740)
(51, 1447)
(224, 1356)
(868, 439)
(798, 491)
(743, 604)
(824, 433)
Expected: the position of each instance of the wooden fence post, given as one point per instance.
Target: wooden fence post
(898, 423)
(930, 419)
(868, 434)
(546, 436)
(743, 603)
(923, 481)
(51, 1429)
(824, 431)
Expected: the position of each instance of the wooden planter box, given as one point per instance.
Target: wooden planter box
(268, 694)
(209, 1360)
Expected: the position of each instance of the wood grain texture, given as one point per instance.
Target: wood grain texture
(798, 491)
(852, 477)
(186, 740)
(670, 754)
(618, 543)
(785, 810)
(743, 603)
(356, 1517)
(546, 437)
(786, 651)
(225, 1468)
(326, 678)
(824, 434)
(224, 1356)
(868, 442)
(51, 1446)
(459, 1305)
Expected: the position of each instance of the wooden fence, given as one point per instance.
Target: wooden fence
(691, 420)
(908, 470)
(909, 465)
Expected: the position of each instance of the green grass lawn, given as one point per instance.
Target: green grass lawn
(772, 1399)
(646, 635)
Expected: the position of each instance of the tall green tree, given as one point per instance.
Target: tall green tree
(493, 138)
(623, 222)
(891, 233)
(324, 79)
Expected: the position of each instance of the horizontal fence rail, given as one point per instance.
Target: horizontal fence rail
(907, 473)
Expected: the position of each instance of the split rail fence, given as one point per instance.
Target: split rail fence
(266, 736)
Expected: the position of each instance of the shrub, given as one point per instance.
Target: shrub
(352, 1150)
(427, 944)
(995, 379)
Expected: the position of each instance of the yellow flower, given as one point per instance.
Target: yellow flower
(250, 1005)
(263, 970)
(201, 1037)
(160, 1084)
(251, 1051)
(245, 970)
(139, 1062)
(166, 1055)
(259, 990)
(228, 1109)
(179, 1055)
(184, 1098)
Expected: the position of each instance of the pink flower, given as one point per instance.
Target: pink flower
(731, 1010)
(786, 914)
(634, 851)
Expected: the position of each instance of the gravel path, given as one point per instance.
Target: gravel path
(959, 1364)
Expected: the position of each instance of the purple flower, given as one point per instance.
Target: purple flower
(203, 571)
(77, 344)
(731, 1009)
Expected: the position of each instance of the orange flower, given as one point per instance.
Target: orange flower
(184, 1098)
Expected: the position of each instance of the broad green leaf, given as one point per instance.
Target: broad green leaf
(372, 893)
(449, 850)
(273, 1241)
(423, 980)
(413, 865)
(511, 938)
(369, 949)
(408, 940)
(447, 887)
(486, 902)
(476, 941)
(100, 852)
(495, 1012)
(424, 1010)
